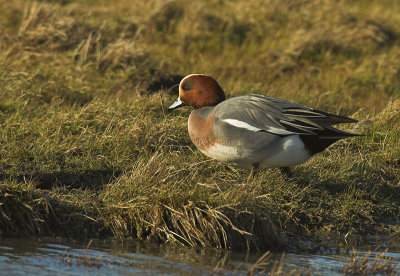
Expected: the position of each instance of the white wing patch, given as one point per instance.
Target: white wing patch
(279, 131)
(241, 124)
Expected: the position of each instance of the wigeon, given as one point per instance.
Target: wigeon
(254, 131)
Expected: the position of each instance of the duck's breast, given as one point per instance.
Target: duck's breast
(201, 127)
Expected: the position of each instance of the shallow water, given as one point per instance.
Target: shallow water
(50, 256)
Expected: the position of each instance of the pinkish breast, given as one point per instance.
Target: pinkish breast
(201, 131)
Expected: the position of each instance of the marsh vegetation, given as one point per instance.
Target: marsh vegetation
(87, 149)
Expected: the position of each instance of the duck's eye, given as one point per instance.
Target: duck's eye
(186, 86)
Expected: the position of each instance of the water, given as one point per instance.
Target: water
(51, 256)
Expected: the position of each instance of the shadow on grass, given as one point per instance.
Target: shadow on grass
(379, 185)
(360, 202)
(95, 179)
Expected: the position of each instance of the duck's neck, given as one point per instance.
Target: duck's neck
(204, 112)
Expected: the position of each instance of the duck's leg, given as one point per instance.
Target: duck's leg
(286, 171)
(252, 173)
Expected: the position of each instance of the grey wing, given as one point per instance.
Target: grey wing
(279, 117)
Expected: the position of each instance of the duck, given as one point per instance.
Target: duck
(255, 131)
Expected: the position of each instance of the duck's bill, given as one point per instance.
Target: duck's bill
(176, 104)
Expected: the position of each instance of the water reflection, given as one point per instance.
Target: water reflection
(50, 256)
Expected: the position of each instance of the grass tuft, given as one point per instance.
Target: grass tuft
(87, 148)
(381, 264)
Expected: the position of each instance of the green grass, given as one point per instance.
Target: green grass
(87, 148)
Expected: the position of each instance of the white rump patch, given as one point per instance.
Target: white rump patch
(292, 152)
(241, 124)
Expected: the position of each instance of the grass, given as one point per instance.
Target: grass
(380, 264)
(87, 149)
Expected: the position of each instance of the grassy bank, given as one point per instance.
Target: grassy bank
(87, 148)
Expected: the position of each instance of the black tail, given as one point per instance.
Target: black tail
(323, 139)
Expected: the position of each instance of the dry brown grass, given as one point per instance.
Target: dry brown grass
(380, 264)
(86, 145)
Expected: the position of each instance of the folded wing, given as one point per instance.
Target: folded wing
(281, 117)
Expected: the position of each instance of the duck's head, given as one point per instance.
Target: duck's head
(198, 91)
